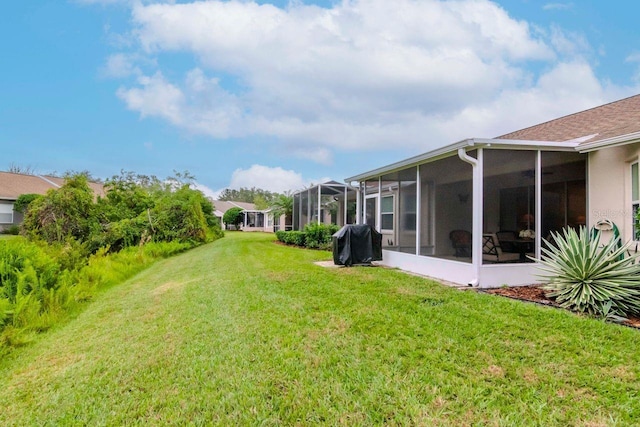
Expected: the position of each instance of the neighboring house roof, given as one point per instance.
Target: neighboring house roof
(221, 206)
(97, 187)
(13, 185)
(596, 124)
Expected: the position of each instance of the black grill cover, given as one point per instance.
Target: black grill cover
(356, 244)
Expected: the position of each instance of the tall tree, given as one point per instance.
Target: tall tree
(249, 195)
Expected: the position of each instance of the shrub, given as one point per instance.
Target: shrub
(22, 202)
(66, 212)
(314, 236)
(318, 236)
(12, 229)
(178, 215)
(233, 217)
(591, 278)
(297, 238)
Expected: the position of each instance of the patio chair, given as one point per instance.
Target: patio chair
(505, 240)
(461, 241)
(492, 252)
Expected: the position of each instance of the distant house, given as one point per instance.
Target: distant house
(13, 185)
(253, 219)
(474, 211)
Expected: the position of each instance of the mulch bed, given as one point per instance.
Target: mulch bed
(535, 293)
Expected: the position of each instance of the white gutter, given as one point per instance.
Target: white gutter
(412, 161)
(476, 240)
(629, 138)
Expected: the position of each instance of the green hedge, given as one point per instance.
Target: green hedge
(314, 236)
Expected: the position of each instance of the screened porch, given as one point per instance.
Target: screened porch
(476, 214)
(327, 203)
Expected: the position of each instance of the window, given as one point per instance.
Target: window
(6, 213)
(386, 212)
(635, 200)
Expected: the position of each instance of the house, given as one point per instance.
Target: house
(327, 203)
(253, 219)
(13, 185)
(475, 211)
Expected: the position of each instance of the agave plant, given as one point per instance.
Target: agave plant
(590, 277)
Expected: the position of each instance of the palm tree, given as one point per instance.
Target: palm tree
(282, 205)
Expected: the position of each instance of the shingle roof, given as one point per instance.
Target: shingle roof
(606, 121)
(223, 206)
(13, 185)
(95, 186)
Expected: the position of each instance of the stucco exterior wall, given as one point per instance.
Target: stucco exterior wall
(609, 187)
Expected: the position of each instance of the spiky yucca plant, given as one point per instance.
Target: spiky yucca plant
(588, 277)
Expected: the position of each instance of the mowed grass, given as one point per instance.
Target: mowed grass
(248, 332)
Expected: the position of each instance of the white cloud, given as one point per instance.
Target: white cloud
(633, 57)
(361, 75)
(208, 192)
(121, 65)
(199, 104)
(557, 6)
(267, 178)
(567, 42)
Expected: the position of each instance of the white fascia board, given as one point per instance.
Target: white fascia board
(518, 144)
(629, 138)
(413, 161)
(452, 149)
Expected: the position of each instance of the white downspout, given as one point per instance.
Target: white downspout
(476, 232)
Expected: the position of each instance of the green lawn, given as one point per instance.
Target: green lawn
(247, 332)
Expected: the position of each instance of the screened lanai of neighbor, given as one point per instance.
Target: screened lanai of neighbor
(328, 203)
(475, 212)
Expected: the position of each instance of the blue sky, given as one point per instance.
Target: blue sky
(278, 94)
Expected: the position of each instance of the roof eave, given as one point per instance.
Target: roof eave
(629, 138)
(452, 149)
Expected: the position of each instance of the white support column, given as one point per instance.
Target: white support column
(477, 212)
(319, 203)
(359, 200)
(379, 207)
(538, 192)
(346, 194)
(299, 223)
(418, 210)
(308, 208)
